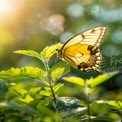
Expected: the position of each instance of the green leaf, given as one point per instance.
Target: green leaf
(75, 80)
(15, 106)
(49, 51)
(97, 119)
(100, 79)
(69, 108)
(35, 90)
(28, 53)
(99, 107)
(57, 87)
(27, 99)
(103, 107)
(22, 73)
(41, 102)
(115, 104)
(20, 91)
(2, 83)
(58, 70)
(45, 93)
(9, 105)
(30, 110)
(64, 103)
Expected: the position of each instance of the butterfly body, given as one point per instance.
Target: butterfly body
(82, 51)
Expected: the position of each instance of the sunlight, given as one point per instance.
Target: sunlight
(5, 6)
(9, 9)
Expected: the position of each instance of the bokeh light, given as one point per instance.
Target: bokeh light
(53, 24)
(66, 36)
(117, 37)
(10, 9)
(75, 10)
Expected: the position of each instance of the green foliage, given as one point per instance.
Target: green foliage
(29, 93)
(22, 73)
(75, 80)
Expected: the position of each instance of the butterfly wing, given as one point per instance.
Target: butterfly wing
(83, 56)
(90, 37)
(82, 51)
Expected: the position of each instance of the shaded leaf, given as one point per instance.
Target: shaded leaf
(9, 105)
(45, 93)
(65, 103)
(57, 87)
(96, 118)
(35, 90)
(30, 110)
(58, 70)
(69, 108)
(12, 105)
(100, 107)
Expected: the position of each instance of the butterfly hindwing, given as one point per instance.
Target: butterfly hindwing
(83, 56)
(82, 51)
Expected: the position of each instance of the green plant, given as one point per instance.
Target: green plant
(31, 94)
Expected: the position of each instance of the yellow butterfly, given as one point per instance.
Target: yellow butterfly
(82, 51)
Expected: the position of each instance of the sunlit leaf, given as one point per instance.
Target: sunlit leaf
(20, 91)
(58, 70)
(75, 80)
(100, 79)
(28, 53)
(21, 73)
(49, 51)
(27, 99)
(115, 104)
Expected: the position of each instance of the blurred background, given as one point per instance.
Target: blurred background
(33, 25)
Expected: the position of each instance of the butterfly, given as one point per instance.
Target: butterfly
(82, 51)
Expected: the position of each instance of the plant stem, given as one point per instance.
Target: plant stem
(120, 116)
(88, 101)
(54, 98)
(50, 80)
(88, 106)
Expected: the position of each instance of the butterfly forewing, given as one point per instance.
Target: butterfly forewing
(94, 36)
(90, 37)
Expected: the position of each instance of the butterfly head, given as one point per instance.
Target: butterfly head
(58, 53)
